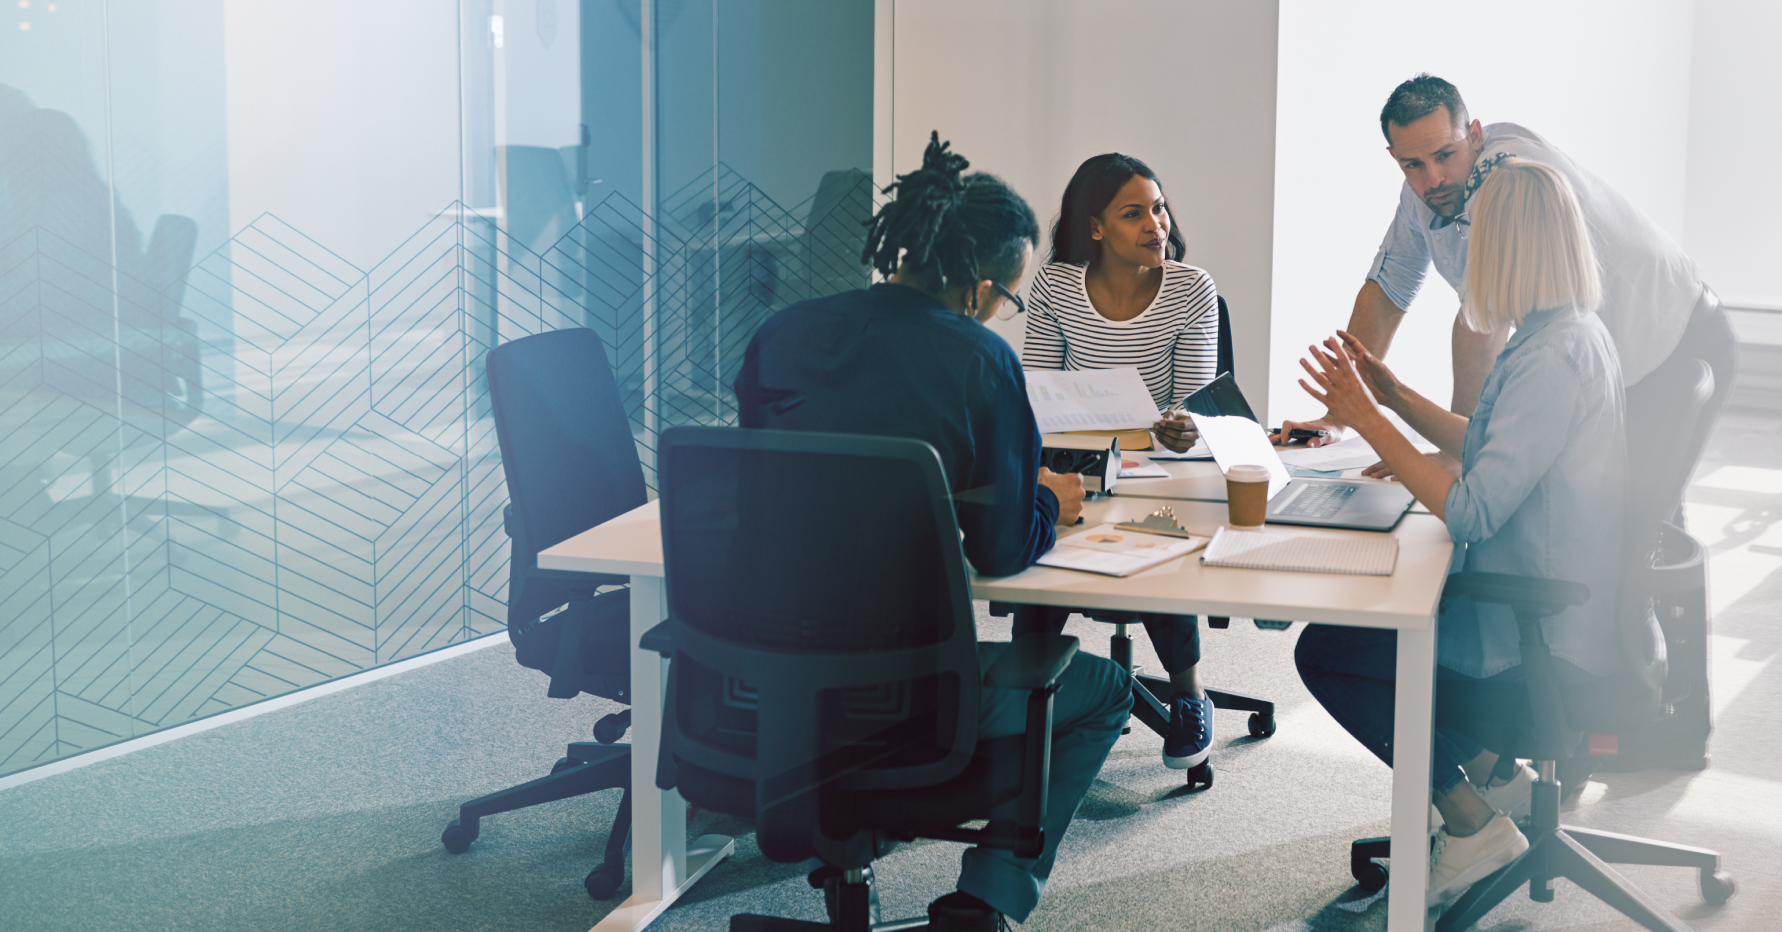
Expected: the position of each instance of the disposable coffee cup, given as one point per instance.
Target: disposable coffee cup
(1246, 495)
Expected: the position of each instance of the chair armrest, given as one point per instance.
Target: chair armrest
(1527, 593)
(657, 639)
(1032, 662)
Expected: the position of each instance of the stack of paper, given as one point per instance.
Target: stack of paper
(1349, 554)
(1111, 551)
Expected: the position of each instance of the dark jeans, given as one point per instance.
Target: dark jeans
(1352, 672)
(1093, 701)
(1176, 638)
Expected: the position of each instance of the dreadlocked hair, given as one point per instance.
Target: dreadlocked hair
(948, 230)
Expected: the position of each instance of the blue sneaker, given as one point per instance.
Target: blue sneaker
(1190, 737)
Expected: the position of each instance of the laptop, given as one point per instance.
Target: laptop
(1232, 433)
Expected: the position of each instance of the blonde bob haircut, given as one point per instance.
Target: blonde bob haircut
(1530, 249)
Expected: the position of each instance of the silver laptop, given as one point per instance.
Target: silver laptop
(1234, 436)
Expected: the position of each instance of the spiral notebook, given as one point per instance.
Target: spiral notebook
(1353, 555)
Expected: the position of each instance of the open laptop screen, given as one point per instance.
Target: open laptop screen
(1228, 425)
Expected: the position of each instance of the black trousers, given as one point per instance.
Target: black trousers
(1176, 638)
(1708, 337)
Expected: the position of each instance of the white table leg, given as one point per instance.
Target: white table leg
(663, 865)
(1414, 711)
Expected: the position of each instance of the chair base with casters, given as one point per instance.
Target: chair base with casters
(1150, 694)
(589, 768)
(1551, 700)
(1580, 855)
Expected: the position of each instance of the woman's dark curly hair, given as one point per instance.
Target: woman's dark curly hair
(1089, 193)
(949, 230)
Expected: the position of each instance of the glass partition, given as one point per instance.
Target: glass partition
(252, 253)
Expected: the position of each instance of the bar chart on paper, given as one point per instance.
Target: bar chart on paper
(1090, 399)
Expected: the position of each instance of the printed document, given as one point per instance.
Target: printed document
(1090, 399)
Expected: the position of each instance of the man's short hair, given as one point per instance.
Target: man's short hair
(1419, 97)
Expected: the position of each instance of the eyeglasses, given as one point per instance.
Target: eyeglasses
(1020, 305)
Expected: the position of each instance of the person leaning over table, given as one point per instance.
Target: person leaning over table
(1654, 306)
(1115, 294)
(912, 358)
(1539, 494)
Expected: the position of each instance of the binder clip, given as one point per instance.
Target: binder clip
(1162, 521)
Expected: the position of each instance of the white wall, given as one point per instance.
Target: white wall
(1731, 226)
(1027, 89)
(343, 118)
(1606, 80)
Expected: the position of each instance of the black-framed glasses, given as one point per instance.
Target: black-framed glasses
(1020, 305)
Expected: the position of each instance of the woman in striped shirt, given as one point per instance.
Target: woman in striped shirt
(1116, 294)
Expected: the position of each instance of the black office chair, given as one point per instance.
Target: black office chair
(825, 678)
(1546, 717)
(570, 463)
(1150, 693)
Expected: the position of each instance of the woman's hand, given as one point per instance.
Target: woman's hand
(1176, 435)
(1374, 373)
(1342, 389)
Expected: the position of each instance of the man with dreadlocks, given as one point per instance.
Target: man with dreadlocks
(911, 357)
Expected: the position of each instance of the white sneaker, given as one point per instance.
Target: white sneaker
(1458, 863)
(1513, 798)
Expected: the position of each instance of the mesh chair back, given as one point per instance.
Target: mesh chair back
(821, 615)
(566, 450)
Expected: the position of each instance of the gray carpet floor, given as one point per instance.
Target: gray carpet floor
(326, 815)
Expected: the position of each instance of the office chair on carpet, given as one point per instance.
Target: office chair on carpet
(831, 692)
(570, 463)
(1546, 717)
(1151, 693)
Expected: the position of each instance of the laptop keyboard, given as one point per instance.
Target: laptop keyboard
(1323, 500)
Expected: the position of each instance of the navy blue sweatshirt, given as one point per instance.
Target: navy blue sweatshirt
(892, 361)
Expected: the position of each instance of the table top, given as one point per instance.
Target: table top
(632, 544)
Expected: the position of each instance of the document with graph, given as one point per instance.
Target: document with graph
(1090, 399)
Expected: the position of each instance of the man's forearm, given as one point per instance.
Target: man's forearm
(1474, 354)
(1375, 318)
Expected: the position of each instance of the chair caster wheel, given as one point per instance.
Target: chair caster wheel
(1718, 887)
(1200, 776)
(612, 727)
(1370, 877)
(1261, 726)
(457, 838)
(564, 763)
(602, 883)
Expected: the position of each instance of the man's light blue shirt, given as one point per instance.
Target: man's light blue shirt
(1540, 493)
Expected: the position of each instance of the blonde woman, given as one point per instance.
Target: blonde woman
(1539, 494)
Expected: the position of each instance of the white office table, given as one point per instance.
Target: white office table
(1407, 601)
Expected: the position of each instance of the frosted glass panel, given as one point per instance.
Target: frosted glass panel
(252, 253)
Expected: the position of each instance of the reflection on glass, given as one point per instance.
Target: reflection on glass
(247, 439)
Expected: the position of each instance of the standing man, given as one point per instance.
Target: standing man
(1654, 302)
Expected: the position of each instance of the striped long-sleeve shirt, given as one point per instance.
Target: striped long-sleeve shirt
(1174, 343)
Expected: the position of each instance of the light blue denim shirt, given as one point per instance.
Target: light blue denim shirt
(1540, 493)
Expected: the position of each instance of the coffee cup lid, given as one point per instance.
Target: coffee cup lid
(1247, 473)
